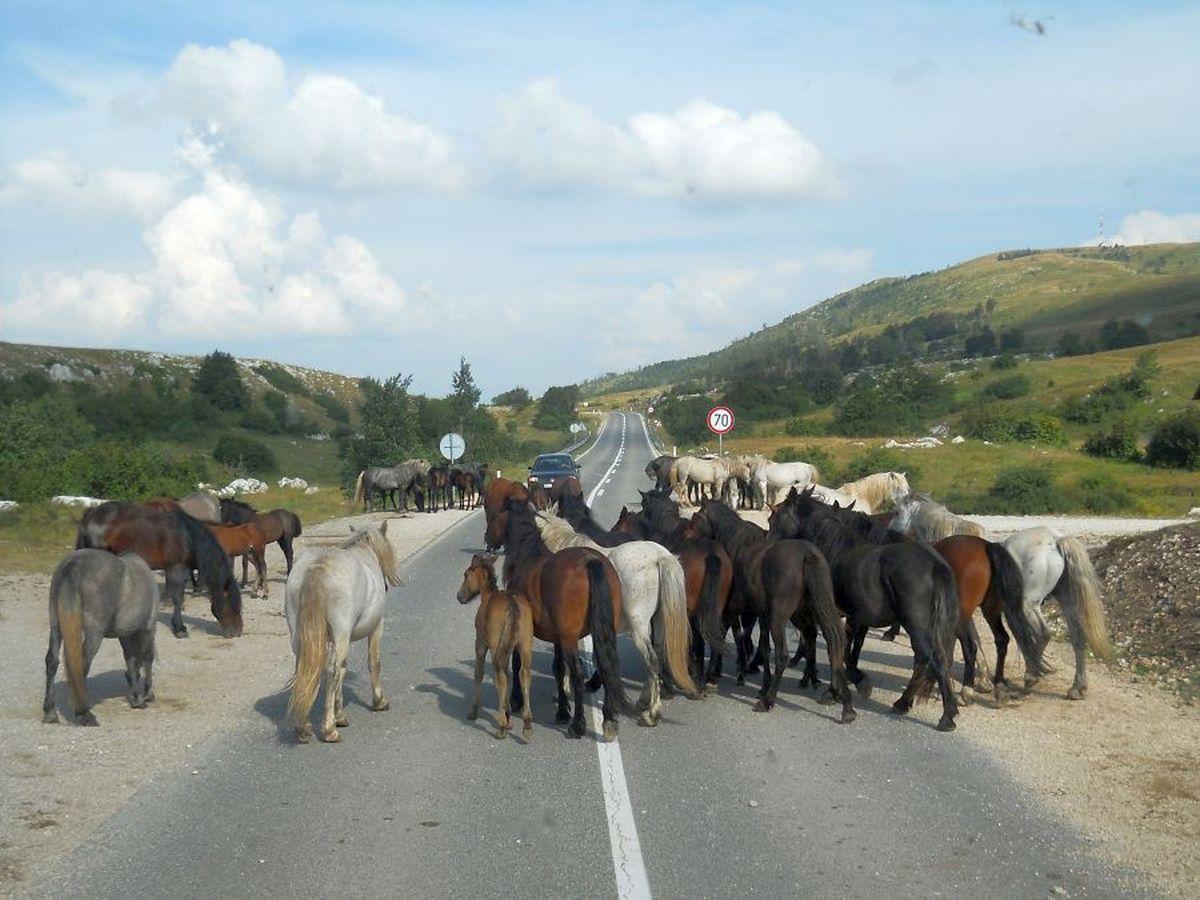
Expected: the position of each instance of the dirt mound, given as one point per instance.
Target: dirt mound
(1152, 597)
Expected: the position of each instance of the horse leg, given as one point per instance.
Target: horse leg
(285, 544)
(49, 712)
(1070, 611)
(764, 647)
(650, 701)
(890, 634)
(924, 643)
(501, 675)
(132, 677)
(146, 658)
(577, 728)
(517, 663)
(374, 662)
(968, 636)
(480, 659)
(525, 648)
(739, 643)
(862, 683)
(335, 671)
(563, 713)
(992, 615)
(245, 569)
(91, 644)
(260, 566)
(808, 631)
(779, 639)
(919, 674)
(176, 576)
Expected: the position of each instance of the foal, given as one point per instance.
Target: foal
(504, 623)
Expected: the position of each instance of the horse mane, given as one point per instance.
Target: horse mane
(932, 521)
(378, 544)
(212, 565)
(488, 564)
(522, 541)
(558, 534)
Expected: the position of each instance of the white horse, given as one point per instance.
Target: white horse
(1057, 567)
(653, 592)
(875, 490)
(692, 470)
(919, 515)
(773, 477)
(333, 598)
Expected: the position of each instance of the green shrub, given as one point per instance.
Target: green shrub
(1175, 444)
(244, 454)
(1116, 335)
(1004, 361)
(812, 454)
(1118, 441)
(1115, 395)
(556, 409)
(280, 378)
(333, 407)
(1007, 388)
(1071, 343)
(1007, 425)
(219, 381)
(257, 418)
(801, 427)
(901, 401)
(878, 459)
(1024, 490)
(119, 471)
(518, 398)
(1104, 495)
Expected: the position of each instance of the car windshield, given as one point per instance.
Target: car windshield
(558, 461)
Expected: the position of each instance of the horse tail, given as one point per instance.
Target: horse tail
(711, 626)
(67, 614)
(943, 618)
(604, 635)
(298, 529)
(312, 639)
(1008, 586)
(672, 600)
(358, 488)
(818, 584)
(1079, 577)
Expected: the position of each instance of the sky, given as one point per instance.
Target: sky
(556, 190)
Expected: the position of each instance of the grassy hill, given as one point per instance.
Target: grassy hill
(1044, 293)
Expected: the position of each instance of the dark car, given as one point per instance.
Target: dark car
(550, 466)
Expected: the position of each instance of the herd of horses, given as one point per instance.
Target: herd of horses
(417, 479)
(105, 589)
(678, 585)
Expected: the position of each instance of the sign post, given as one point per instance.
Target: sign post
(452, 446)
(720, 422)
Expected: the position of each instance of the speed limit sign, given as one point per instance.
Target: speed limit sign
(720, 420)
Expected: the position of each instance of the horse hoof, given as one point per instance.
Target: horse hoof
(848, 716)
(574, 735)
(762, 706)
(946, 724)
(342, 721)
(527, 733)
(827, 699)
(473, 715)
(87, 719)
(1031, 683)
(303, 733)
(180, 632)
(887, 636)
(150, 697)
(864, 687)
(501, 734)
(741, 679)
(1076, 693)
(983, 685)
(610, 731)
(900, 708)
(562, 716)
(646, 720)
(50, 718)
(966, 696)
(331, 736)
(382, 706)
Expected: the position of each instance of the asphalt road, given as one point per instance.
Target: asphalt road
(719, 801)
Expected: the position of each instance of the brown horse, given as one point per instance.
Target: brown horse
(503, 625)
(441, 494)
(177, 544)
(281, 526)
(539, 496)
(565, 486)
(573, 593)
(247, 540)
(498, 491)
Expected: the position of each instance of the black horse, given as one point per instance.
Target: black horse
(780, 581)
(878, 585)
(441, 492)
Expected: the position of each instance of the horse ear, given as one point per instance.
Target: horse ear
(353, 530)
(553, 508)
(383, 527)
(850, 505)
(624, 512)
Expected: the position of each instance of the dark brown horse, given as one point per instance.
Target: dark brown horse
(246, 541)
(495, 494)
(280, 526)
(565, 486)
(780, 581)
(441, 494)
(177, 544)
(573, 593)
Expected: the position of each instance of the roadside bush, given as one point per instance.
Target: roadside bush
(1175, 443)
(1005, 425)
(1007, 388)
(801, 427)
(119, 471)
(1118, 441)
(1024, 490)
(683, 417)
(788, 453)
(1104, 495)
(244, 454)
(879, 459)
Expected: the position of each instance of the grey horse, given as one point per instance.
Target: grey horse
(93, 595)
(659, 469)
(402, 480)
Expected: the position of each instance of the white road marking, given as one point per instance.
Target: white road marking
(628, 866)
(594, 443)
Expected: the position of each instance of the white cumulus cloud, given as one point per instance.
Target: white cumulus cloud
(701, 150)
(65, 185)
(1150, 227)
(225, 260)
(317, 129)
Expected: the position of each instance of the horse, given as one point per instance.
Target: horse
(738, 472)
(96, 595)
(439, 490)
(503, 625)
(248, 540)
(878, 584)
(773, 477)
(708, 579)
(203, 506)
(175, 543)
(404, 479)
(333, 598)
(539, 496)
(659, 469)
(692, 471)
(1057, 567)
(495, 495)
(919, 515)
(653, 607)
(780, 581)
(573, 593)
(564, 486)
(281, 526)
(876, 490)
